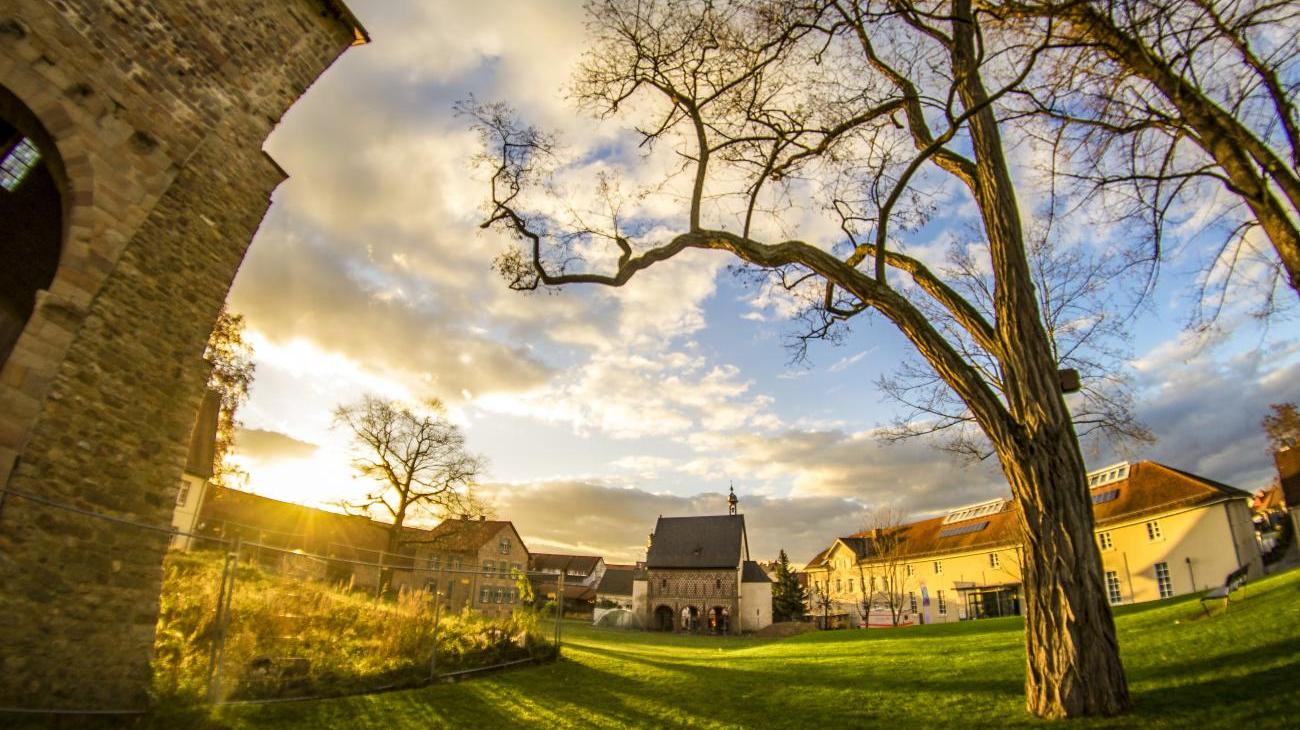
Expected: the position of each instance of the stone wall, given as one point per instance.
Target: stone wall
(156, 112)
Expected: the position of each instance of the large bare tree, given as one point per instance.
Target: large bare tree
(1168, 102)
(867, 109)
(417, 462)
(1086, 298)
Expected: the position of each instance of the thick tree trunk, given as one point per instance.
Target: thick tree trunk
(1072, 656)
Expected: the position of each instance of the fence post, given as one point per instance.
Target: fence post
(559, 608)
(433, 662)
(214, 689)
(216, 619)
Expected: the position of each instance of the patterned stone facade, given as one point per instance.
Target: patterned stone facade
(150, 116)
(679, 589)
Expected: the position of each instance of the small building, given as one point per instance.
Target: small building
(615, 588)
(199, 465)
(1161, 532)
(585, 570)
(699, 577)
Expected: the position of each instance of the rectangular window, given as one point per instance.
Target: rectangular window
(943, 604)
(850, 585)
(839, 586)
(1153, 531)
(503, 568)
(995, 561)
(183, 495)
(435, 562)
(1162, 579)
(515, 567)
(911, 600)
(484, 594)
(431, 586)
(938, 568)
(910, 570)
(1104, 539)
(505, 546)
(497, 595)
(1112, 588)
(489, 566)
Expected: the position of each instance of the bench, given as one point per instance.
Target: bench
(1235, 580)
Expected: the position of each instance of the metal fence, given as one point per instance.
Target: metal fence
(247, 620)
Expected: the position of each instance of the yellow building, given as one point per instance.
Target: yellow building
(1161, 532)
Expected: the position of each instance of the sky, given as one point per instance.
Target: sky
(598, 409)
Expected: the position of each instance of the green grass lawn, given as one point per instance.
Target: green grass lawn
(1236, 669)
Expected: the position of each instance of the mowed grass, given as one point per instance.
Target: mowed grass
(1234, 669)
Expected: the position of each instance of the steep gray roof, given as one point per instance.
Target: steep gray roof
(616, 581)
(698, 542)
(754, 573)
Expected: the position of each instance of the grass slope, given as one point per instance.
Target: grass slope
(1233, 669)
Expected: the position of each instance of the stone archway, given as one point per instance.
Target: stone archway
(690, 618)
(32, 202)
(663, 620)
(719, 620)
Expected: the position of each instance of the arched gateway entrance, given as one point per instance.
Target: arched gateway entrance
(31, 217)
(663, 619)
(719, 620)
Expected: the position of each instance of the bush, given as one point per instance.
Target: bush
(293, 637)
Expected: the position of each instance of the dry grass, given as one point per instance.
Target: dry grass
(293, 637)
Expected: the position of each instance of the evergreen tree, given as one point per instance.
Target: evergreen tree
(788, 597)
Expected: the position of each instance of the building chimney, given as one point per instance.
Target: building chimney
(482, 518)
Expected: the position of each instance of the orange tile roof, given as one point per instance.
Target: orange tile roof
(462, 535)
(1150, 489)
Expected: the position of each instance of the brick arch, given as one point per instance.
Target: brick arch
(46, 114)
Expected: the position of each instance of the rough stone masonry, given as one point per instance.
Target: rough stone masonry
(150, 115)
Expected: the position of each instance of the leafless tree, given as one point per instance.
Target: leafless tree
(868, 109)
(417, 461)
(1086, 299)
(884, 571)
(1166, 104)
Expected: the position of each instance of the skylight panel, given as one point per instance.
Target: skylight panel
(1108, 475)
(1107, 496)
(975, 510)
(963, 529)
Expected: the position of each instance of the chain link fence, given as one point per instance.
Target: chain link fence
(245, 616)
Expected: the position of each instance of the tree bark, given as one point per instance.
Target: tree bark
(1072, 663)
(1072, 655)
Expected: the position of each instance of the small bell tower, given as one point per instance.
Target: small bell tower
(731, 500)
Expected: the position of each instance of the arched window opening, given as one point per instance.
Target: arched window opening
(31, 218)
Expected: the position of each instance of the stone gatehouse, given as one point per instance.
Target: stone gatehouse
(698, 577)
(132, 179)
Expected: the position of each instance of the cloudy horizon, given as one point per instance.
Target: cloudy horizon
(600, 409)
